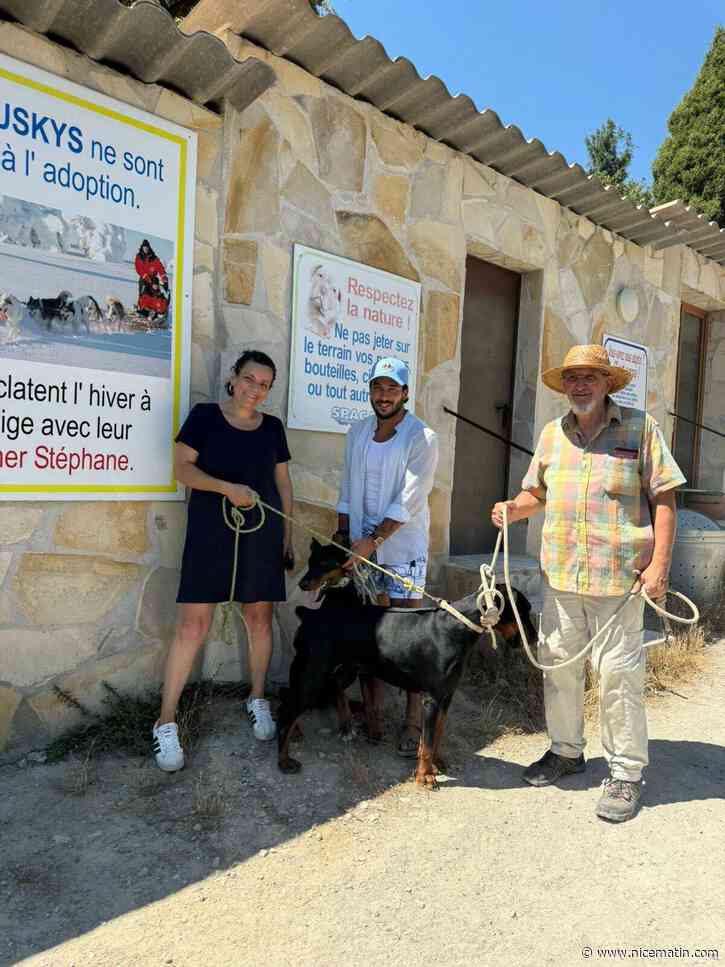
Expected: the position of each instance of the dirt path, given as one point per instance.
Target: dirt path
(348, 864)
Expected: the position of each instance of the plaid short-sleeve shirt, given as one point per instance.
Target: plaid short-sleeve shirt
(598, 526)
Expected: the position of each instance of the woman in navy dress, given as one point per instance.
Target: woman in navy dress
(223, 452)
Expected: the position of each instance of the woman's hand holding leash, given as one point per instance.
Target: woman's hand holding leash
(239, 495)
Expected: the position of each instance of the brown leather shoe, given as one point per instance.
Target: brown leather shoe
(552, 767)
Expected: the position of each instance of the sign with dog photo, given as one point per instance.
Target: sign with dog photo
(631, 356)
(96, 249)
(345, 316)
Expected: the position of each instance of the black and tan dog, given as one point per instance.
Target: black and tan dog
(421, 650)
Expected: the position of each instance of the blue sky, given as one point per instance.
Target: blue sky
(558, 69)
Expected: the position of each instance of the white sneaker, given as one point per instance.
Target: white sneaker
(261, 719)
(169, 754)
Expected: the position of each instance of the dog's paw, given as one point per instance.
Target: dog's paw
(347, 733)
(427, 781)
(289, 765)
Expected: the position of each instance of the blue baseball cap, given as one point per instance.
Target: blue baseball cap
(391, 368)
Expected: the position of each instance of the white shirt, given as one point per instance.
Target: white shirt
(373, 484)
(407, 472)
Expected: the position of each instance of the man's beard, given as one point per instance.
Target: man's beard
(583, 409)
(389, 413)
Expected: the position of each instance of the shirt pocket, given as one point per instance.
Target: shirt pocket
(621, 476)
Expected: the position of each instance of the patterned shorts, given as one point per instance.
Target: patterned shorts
(415, 570)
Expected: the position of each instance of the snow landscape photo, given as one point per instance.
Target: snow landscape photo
(73, 291)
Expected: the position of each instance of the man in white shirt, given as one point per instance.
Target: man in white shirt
(390, 464)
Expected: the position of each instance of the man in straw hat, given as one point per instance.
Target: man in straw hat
(605, 478)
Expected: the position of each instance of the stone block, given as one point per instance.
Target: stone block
(429, 186)
(442, 313)
(5, 559)
(206, 226)
(18, 521)
(654, 265)
(478, 181)
(340, 137)
(480, 218)
(556, 340)
(301, 228)
(308, 194)
(203, 257)
(29, 656)
(25, 45)
(202, 309)
(200, 380)
(9, 701)
(440, 251)
(521, 200)
(65, 589)
(293, 126)
(169, 525)
(439, 503)
(367, 239)
(7, 609)
(316, 486)
(157, 606)
(390, 195)
(111, 527)
(253, 188)
(594, 269)
(276, 271)
(240, 269)
(250, 327)
(136, 672)
(397, 144)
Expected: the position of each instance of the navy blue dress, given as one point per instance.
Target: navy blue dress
(239, 456)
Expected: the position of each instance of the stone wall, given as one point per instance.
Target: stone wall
(87, 589)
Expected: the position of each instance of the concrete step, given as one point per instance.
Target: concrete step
(463, 575)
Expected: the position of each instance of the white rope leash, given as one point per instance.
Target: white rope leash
(605, 627)
(235, 520)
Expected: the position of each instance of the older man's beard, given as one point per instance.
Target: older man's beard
(583, 409)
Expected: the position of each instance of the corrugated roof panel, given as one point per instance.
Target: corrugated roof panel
(145, 42)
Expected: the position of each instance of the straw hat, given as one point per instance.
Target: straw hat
(587, 357)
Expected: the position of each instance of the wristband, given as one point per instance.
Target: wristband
(377, 541)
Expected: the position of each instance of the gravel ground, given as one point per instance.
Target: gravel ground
(231, 863)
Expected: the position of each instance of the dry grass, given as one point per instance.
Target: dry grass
(80, 774)
(207, 802)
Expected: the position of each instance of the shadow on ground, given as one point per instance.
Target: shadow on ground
(86, 842)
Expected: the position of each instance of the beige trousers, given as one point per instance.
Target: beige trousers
(568, 622)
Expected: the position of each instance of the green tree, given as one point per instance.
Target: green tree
(611, 149)
(690, 163)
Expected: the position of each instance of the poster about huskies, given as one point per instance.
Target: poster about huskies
(96, 247)
(345, 316)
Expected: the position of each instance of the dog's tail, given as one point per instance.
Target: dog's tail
(98, 308)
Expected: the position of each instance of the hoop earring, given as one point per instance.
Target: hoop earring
(229, 388)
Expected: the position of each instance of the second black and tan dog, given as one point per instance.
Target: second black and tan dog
(422, 650)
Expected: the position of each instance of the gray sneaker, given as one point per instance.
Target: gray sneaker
(620, 800)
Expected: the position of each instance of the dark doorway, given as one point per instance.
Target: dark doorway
(488, 345)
